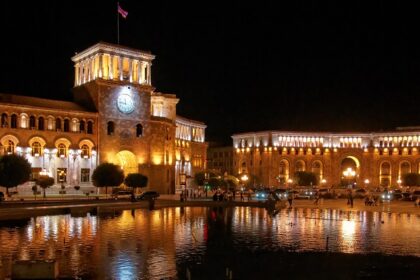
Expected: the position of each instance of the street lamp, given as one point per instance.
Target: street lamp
(244, 179)
(349, 174)
(289, 182)
(366, 183)
(399, 182)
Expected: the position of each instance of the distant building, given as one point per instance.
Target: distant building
(117, 116)
(362, 159)
(220, 159)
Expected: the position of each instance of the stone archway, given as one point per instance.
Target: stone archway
(128, 162)
(349, 170)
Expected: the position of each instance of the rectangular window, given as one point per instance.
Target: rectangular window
(61, 175)
(85, 175)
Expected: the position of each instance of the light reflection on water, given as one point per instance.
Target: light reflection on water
(146, 245)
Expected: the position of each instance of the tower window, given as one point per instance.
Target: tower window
(41, 123)
(13, 122)
(4, 120)
(62, 150)
(31, 122)
(90, 127)
(82, 126)
(110, 128)
(10, 148)
(57, 124)
(66, 125)
(85, 151)
(36, 149)
(139, 130)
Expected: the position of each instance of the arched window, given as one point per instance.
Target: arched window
(82, 126)
(57, 124)
(317, 170)
(405, 168)
(66, 125)
(9, 148)
(385, 174)
(90, 127)
(139, 130)
(41, 123)
(62, 150)
(32, 123)
(4, 120)
(36, 149)
(85, 151)
(110, 128)
(13, 122)
(300, 166)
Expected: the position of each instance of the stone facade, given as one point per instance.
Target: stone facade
(117, 117)
(363, 159)
(220, 159)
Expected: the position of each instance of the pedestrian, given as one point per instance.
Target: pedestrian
(417, 202)
(351, 198)
(316, 198)
(249, 195)
(290, 199)
(181, 196)
(242, 196)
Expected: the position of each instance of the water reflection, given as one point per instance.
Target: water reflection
(146, 245)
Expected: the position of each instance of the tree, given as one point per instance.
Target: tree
(45, 181)
(136, 180)
(200, 177)
(305, 178)
(411, 179)
(14, 170)
(107, 175)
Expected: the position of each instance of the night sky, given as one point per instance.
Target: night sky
(296, 65)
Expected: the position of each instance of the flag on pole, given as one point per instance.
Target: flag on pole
(121, 11)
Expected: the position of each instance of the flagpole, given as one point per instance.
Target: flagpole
(118, 25)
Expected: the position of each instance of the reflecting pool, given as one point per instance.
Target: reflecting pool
(143, 244)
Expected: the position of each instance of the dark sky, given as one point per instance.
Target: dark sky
(296, 65)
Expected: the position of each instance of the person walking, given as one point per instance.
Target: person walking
(290, 198)
(316, 198)
(351, 198)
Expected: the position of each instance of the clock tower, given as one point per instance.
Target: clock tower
(115, 81)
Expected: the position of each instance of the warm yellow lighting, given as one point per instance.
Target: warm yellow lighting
(247, 149)
(366, 150)
(367, 181)
(335, 150)
(399, 181)
(349, 172)
(244, 178)
(323, 181)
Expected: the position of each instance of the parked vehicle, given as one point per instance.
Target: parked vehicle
(122, 194)
(281, 193)
(261, 194)
(360, 193)
(148, 195)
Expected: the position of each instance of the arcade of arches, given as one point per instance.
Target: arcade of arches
(363, 160)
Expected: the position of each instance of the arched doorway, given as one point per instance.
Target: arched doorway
(349, 171)
(128, 162)
(283, 172)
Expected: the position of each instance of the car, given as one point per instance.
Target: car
(148, 195)
(386, 196)
(2, 196)
(281, 193)
(261, 194)
(122, 194)
(308, 194)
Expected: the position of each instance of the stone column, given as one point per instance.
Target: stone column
(100, 65)
(139, 72)
(148, 78)
(111, 68)
(130, 69)
(120, 70)
(76, 74)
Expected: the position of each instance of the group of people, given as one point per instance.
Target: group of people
(371, 200)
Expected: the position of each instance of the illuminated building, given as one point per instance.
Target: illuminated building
(117, 116)
(366, 159)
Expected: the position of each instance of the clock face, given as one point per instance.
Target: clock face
(125, 103)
